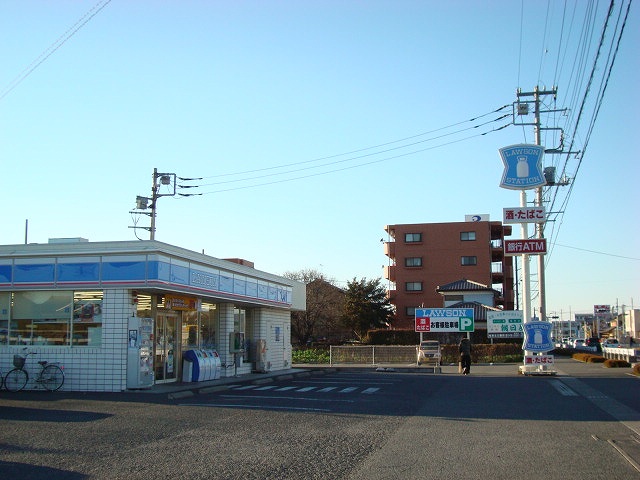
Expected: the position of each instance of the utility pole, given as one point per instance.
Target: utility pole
(159, 179)
(536, 94)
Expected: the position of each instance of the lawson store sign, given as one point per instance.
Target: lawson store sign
(444, 320)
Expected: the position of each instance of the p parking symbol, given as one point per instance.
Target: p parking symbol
(466, 324)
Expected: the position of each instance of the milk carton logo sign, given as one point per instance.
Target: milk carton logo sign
(537, 336)
(522, 167)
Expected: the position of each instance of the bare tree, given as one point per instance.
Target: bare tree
(325, 306)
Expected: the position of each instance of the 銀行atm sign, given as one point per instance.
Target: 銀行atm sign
(444, 320)
(537, 246)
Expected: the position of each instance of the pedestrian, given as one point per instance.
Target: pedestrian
(465, 355)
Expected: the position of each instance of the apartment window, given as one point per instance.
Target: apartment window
(413, 262)
(467, 236)
(413, 286)
(412, 237)
(469, 260)
(410, 311)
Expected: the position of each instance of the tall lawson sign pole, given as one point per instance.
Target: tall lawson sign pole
(523, 171)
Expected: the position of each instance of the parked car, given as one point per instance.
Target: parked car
(610, 343)
(578, 344)
(429, 352)
(567, 342)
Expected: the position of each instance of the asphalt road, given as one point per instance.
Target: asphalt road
(355, 423)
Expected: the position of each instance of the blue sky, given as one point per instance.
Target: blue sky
(314, 124)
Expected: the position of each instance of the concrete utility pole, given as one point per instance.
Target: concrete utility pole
(165, 179)
(538, 200)
(159, 179)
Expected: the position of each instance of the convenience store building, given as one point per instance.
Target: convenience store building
(75, 302)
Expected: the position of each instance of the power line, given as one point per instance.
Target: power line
(97, 8)
(599, 253)
(334, 170)
(330, 157)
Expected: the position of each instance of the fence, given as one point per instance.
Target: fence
(372, 354)
(631, 355)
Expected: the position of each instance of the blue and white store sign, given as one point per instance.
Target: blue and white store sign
(537, 337)
(522, 167)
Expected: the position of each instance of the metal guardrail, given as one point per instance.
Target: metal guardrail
(372, 354)
(631, 355)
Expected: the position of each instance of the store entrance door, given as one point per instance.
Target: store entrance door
(167, 346)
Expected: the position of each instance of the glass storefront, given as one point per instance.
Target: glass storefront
(199, 328)
(52, 318)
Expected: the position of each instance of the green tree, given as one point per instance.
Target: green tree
(367, 306)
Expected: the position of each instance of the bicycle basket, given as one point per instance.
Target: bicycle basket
(18, 361)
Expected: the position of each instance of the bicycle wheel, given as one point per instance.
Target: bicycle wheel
(52, 377)
(16, 380)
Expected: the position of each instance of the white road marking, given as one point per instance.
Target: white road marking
(563, 389)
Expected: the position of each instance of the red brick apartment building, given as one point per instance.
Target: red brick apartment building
(423, 256)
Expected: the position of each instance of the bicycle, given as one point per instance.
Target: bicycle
(51, 376)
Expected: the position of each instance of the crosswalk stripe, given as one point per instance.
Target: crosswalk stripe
(275, 388)
(327, 389)
(348, 389)
(370, 390)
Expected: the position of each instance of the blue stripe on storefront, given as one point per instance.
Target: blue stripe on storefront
(138, 274)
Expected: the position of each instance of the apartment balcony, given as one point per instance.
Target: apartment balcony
(390, 249)
(497, 272)
(390, 273)
(497, 250)
(499, 231)
(391, 295)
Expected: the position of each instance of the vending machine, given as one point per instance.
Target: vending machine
(140, 353)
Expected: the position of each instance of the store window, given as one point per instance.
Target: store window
(412, 237)
(467, 236)
(5, 306)
(41, 318)
(469, 260)
(413, 262)
(86, 330)
(52, 318)
(209, 326)
(190, 331)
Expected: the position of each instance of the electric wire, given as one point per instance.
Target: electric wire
(264, 169)
(335, 162)
(300, 177)
(97, 8)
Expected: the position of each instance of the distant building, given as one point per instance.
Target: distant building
(423, 256)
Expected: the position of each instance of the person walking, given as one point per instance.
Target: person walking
(465, 355)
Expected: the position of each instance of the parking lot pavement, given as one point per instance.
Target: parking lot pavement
(564, 366)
